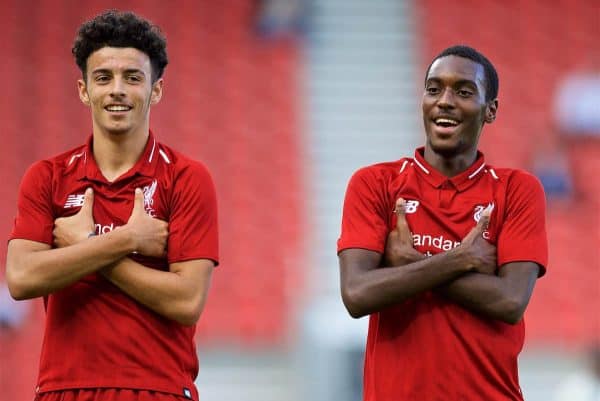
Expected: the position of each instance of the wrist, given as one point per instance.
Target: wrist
(459, 257)
(126, 238)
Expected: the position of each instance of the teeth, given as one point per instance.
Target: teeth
(445, 121)
(117, 108)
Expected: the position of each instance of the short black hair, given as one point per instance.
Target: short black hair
(491, 76)
(121, 29)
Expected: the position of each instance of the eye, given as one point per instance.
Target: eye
(464, 93)
(102, 78)
(432, 90)
(134, 78)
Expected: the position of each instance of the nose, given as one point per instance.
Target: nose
(446, 98)
(118, 87)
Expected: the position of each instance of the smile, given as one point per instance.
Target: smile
(117, 107)
(446, 122)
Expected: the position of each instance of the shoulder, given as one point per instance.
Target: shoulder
(517, 180)
(385, 171)
(57, 164)
(183, 166)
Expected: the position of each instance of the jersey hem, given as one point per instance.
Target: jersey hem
(164, 388)
(368, 247)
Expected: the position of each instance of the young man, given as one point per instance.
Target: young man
(119, 235)
(442, 251)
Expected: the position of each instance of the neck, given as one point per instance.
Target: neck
(115, 154)
(450, 165)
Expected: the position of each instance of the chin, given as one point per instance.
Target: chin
(446, 149)
(121, 130)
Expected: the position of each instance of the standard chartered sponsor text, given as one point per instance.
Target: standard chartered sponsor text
(103, 229)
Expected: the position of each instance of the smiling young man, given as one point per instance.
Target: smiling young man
(442, 250)
(118, 235)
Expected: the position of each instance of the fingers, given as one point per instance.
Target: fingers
(401, 223)
(484, 219)
(482, 224)
(88, 203)
(138, 202)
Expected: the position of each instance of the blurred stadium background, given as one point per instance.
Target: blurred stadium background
(283, 100)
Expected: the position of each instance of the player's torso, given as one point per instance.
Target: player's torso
(113, 201)
(440, 217)
(409, 342)
(91, 325)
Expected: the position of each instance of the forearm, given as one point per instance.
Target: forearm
(173, 294)
(34, 273)
(490, 295)
(375, 289)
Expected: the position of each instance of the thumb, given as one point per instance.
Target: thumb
(484, 220)
(88, 203)
(482, 224)
(401, 224)
(138, 202)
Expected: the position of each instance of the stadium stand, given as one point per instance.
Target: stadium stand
(533, 45)
(230, 101)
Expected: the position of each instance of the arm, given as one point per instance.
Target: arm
(178, 294)
(522, 255)
(33, 269)
(366, 288)
(503, 297)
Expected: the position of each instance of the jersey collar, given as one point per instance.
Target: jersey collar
(145, 166)
(436, 179)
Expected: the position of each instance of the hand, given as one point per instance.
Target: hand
(399, 248)
(149, 234)
(481, 255)
(73, 229)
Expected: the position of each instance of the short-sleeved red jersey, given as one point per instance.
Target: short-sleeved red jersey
(428, 348)
(96, 335)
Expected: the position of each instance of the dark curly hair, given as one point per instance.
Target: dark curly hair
(491, 76)
(121, 29)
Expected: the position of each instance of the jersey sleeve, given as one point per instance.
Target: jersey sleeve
(523, 233)
(364, 219)
(35, 216)
(193, 229)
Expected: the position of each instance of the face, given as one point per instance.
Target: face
(119, 90)
(454, 106)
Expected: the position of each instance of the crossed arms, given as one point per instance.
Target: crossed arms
(465, 274)
(33, 269)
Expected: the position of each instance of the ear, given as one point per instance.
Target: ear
(490, 111)
(83, 94)
(157, 89)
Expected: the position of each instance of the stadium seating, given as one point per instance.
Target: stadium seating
(533, 45)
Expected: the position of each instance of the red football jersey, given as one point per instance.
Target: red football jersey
(428, 348)
(96, 335)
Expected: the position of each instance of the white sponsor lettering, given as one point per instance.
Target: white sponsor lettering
(104, 229)
(438, 242)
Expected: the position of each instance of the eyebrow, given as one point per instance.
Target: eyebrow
(460, 82)
(127, 71)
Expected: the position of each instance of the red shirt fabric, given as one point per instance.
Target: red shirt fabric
(108, 394)
(428, 348)
(96, 336)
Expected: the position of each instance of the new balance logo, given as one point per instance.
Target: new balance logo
(411, 206)
(74, 201)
